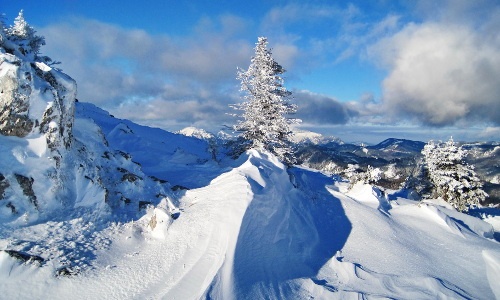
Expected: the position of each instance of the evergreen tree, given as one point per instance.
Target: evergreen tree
(453, 180)
(266, 105)
(418, 180)
(23, 35)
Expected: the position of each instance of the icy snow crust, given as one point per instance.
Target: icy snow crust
(248, 229)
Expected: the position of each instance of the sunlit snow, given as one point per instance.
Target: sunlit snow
(248, 229)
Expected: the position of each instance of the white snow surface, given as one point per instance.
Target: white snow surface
(248, 229)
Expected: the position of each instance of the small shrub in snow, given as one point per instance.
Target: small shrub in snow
(264, 124)
(370, 176)
(331, 167)
(392, 172)
(453, 180)
(351, 173)
(354, 174)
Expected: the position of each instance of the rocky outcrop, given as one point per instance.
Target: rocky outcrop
(54, 162)
(36, 98)
(37, 102)
(15, 92)
(57, 120)
(26, 185)
(4, 184)
(25, 257)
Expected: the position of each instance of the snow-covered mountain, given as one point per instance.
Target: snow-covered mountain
(400, 156)
(398, 145)
(309, 137)
(196, 132)
(248, 229)
(258, 231)
(96, 207)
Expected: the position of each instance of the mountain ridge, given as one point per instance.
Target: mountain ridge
(93, 206)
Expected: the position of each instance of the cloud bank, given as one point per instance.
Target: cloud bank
(153, 78)
(441, 74)
(320, 109)
(442, 69)
(446, 70)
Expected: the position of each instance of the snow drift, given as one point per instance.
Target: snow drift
(259, 231)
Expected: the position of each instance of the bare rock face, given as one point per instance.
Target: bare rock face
(57, 120)
(4, 184)
(24, 257)
(26, 185)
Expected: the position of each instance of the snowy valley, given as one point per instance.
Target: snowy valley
(97, 207)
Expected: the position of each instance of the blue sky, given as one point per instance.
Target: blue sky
(359, 70)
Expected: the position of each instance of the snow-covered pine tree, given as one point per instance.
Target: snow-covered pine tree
(372, 175)
(23, 35)
(418, 181)
(454, 180)
(266, 105)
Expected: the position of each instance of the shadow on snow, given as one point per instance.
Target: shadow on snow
(287, 232)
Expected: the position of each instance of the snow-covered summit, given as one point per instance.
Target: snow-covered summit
(310, 137)
(196, 132)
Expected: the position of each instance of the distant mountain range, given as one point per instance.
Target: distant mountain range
(404, 155)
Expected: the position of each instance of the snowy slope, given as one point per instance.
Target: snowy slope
(103, 208)
(252, 234)
(95, 207)
(164, 155)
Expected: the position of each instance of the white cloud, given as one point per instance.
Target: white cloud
(441, 74)
(455, 11)
(327, 33)
(285, 54)
(442, 71)
(490, 133)
(126, 71)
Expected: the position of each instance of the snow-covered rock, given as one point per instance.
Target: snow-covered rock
(36, 130)
(52, 161)
(36, 99)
